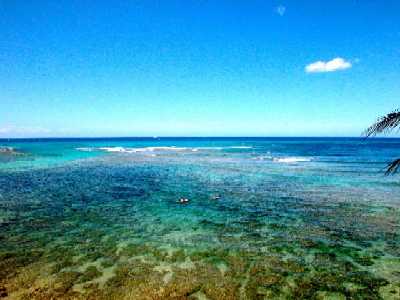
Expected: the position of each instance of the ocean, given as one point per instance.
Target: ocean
(265, 218)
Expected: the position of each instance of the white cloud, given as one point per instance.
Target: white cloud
(335, 64)
(280, 10)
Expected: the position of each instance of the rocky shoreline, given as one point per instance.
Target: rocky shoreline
(8, 151)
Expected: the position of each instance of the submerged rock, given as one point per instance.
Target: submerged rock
(3, 292)
(322, 295)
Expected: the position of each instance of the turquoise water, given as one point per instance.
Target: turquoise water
(267, 218)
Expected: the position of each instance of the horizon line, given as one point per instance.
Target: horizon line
(188, 137)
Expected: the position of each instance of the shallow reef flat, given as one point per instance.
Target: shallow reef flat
(112, 227)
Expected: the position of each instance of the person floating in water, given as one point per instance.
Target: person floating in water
(183, 200)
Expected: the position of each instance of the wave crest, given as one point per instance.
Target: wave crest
(118, 149)
(289, 160)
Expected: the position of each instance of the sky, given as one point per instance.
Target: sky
(197, 68)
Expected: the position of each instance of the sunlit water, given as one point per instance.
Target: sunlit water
(266, 219)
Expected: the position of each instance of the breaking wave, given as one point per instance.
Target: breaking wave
(289, 160)
(154, 149)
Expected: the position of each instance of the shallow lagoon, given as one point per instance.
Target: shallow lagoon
(293, 219)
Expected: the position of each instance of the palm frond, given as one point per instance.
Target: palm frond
(384, 124)
(393, 167)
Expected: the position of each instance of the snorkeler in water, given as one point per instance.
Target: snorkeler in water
(183, 200)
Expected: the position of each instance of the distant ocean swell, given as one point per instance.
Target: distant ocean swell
(160, 149)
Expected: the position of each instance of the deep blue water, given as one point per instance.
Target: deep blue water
(267, 218)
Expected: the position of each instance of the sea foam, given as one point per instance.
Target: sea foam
(144, 149)
(118, 149)
(289, 160)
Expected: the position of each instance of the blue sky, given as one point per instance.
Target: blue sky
(197, 68)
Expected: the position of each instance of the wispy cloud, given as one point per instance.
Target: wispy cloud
(333, 65)
(280, 10)
(11, 130)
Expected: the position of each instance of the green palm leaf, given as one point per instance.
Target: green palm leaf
(384, 124)
(393, 167)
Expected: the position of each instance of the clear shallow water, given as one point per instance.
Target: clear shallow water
(293, 219)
